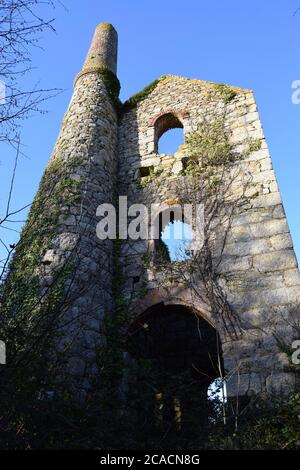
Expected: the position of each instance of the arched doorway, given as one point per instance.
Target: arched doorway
(183, 356)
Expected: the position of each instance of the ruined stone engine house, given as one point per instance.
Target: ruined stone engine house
(107, 149)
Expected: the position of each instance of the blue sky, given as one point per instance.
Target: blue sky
(253, 45)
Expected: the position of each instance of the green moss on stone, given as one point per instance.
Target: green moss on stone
(105, 25)
(110, 80)
(254, 146)
(141, 95)
(228, 93)
(112, 85)
(24, 306)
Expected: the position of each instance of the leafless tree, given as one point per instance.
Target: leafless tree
(22, 22)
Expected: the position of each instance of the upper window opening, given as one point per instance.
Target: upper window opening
(168, 144)
(169, 134)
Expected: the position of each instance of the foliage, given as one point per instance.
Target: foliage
(112, 85)
(28, 309)
(228, 93)
(254, 146)
(154, 172)
(264, 426)
(111, 361)
(208, 150)
(61, 423)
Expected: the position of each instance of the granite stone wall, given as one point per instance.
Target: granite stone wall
(88, 137)
(258, 269)
(86, 150)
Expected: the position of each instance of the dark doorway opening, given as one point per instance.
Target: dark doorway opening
(181, 355)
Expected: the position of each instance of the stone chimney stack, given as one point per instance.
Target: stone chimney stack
(59, 248)
(103, 50)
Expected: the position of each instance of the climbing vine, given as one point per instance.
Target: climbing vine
(111, 354)
(210, 167)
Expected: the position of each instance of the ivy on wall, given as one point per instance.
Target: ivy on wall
(29, 310)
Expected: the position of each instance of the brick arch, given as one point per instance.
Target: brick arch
(166, 331)
(177, 296)
(180, 115)
(164, 123)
